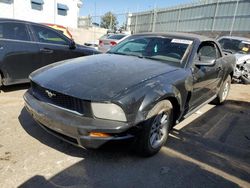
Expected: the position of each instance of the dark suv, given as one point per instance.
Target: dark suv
(27, 46)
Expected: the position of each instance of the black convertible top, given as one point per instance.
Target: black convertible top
(190, 36)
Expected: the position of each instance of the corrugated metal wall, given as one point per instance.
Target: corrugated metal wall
(207, 15)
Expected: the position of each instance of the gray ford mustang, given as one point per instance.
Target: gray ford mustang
(140, 89)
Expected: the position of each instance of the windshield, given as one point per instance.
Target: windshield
(235, 46)
(169, 50)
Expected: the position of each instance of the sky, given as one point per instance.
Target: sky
(124, 6)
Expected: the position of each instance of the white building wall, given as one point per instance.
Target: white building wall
(6, 10)
(21, 9)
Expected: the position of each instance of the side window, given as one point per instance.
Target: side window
(208, 50)
(14, 31)
(46, 35)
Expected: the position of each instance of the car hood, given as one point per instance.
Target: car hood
(98, 77)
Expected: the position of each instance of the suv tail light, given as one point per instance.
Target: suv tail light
(100, 42)
(113, 43)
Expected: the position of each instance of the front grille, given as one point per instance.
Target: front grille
(58, 99)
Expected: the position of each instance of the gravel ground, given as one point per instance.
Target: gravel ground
(209, 149)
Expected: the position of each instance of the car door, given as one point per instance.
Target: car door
(53, 45)
(206, 78)
(18, 52)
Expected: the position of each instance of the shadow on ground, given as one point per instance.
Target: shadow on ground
(12, 88)
(211, 151)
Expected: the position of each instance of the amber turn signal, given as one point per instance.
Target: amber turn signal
(96, 134)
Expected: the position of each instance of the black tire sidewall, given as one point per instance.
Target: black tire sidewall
(145, 147)
(228, 80)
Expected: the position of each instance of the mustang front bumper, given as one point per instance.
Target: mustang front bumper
(74, 128)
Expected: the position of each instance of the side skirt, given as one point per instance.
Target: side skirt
(195, 109)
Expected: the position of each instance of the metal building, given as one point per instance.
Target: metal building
(228, 16)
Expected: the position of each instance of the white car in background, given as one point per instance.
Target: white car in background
(240, 47)
(111, 41)
(95, 44)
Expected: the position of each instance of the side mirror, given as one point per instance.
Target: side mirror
(72, 44)
(205, 61)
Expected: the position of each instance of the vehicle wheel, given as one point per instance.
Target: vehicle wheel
(155, 129)
(1, 80)
(224, 91)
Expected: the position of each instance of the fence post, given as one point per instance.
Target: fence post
(178, 21)
(215, 15)
(154, 19)
(136, 17)
(151, 21)
(235, 12)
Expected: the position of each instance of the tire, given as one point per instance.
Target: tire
(1, 80)
(155, 129)
(224, 91)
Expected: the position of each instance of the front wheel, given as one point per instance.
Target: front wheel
(1, 80)
(224, 91)
(155, 129)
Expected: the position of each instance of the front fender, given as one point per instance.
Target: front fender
(138, 101)
(157, 94)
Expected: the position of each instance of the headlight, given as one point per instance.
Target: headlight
(108, 111)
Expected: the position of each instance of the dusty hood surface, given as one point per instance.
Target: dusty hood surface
(98, 77)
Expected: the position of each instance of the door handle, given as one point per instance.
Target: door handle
(46, 50)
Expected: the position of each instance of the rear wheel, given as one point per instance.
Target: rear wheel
(224, 91)
(155, 129)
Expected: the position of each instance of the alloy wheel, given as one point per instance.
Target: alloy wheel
(158, 130)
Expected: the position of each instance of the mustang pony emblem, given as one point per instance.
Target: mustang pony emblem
(50, 94)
